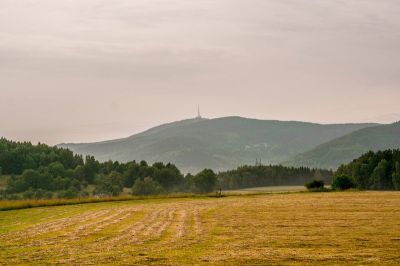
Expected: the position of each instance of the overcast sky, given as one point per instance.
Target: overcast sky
(89, 70)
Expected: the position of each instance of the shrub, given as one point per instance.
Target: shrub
(38, 193)
(48, 195)
(29, 194)
(68, 194)
(110, 185)
(13, 197)
(3, 193)
(147, 186)
(316, 185)
(343, 182)
(42, 194)
(83, 194)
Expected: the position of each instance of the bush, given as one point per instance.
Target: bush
(48, 195)
(39, 193)
(83, 194)
(13, 197)
(343, 182)
(3, 193)
(109, 185)
(29, 194)
(43, 194)
(147, 186)
(68, 194)
(316, 185)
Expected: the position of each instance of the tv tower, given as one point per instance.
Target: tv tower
(198, 112)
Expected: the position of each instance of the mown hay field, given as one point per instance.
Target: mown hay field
(295, 228)
(263, 190)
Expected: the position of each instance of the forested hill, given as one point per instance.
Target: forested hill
(346, 148)
(374, 170)
(219, 144)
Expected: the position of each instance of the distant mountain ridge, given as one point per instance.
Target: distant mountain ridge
(219, 144)
(344, 149)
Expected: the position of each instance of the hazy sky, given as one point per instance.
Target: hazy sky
(88, 70)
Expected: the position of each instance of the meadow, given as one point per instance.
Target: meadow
(289, 228)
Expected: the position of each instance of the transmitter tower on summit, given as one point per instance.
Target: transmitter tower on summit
(198, 112)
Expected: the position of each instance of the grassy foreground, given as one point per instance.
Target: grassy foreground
(298, 228)
(6, 205)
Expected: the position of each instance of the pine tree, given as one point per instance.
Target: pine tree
(396, 176)
(379, 175)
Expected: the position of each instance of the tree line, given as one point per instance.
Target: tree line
(41, 171)
(372, 171)
(270, 175)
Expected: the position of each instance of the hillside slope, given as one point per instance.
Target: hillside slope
(344, 149)
(220, 144)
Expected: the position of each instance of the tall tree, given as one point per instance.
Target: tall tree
(396, 176)
(91, 168)
(205, 181)
(380, 175)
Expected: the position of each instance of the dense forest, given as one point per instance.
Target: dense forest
(269, 175)
(41, 171)
(374, 171)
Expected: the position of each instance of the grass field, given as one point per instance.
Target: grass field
(295, 228)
